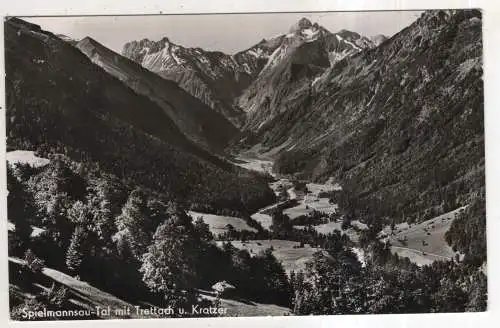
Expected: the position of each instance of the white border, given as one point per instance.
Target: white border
(491, 17)
(117, 7)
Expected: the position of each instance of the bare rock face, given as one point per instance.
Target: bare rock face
(302, 56)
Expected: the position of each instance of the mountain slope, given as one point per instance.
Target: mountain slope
(213, 77)
(303, 54)
(197, 121)
(400, 125)
(58, 101)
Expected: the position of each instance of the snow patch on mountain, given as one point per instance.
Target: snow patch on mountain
(177, 59)
(310, 34)
(256, 53)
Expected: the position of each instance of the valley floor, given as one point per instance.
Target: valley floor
(425, 242)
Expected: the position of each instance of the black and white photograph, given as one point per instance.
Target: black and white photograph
(245, 164)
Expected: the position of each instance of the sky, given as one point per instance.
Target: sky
(228, 33)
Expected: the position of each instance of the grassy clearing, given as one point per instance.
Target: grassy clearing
(291, 258)
(26, 157)
(312, 202)
(265, 220)
(423, 243)
(307, 206)
(418, 257)
(330, 227)
(217, 223)
(307, 203)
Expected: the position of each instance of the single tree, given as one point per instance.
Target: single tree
(168, 266)
(132, 225)
(203, 230)
(75, 252)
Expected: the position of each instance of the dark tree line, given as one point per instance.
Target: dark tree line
(336, 283)
(467, 233)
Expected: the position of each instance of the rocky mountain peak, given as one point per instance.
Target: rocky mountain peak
(88, 40)
(165, 40)
(90, 46)
(302, 24)
(348, 34)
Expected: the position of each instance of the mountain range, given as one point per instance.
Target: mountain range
(361, 110)
(218, 79)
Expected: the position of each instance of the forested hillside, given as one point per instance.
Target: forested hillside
(400, 125)
(149, 250)
(69, 105)
(146, 248)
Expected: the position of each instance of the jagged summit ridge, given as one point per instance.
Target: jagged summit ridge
(89, 41)
(213, 77)
(302, 24)
(299, 59)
